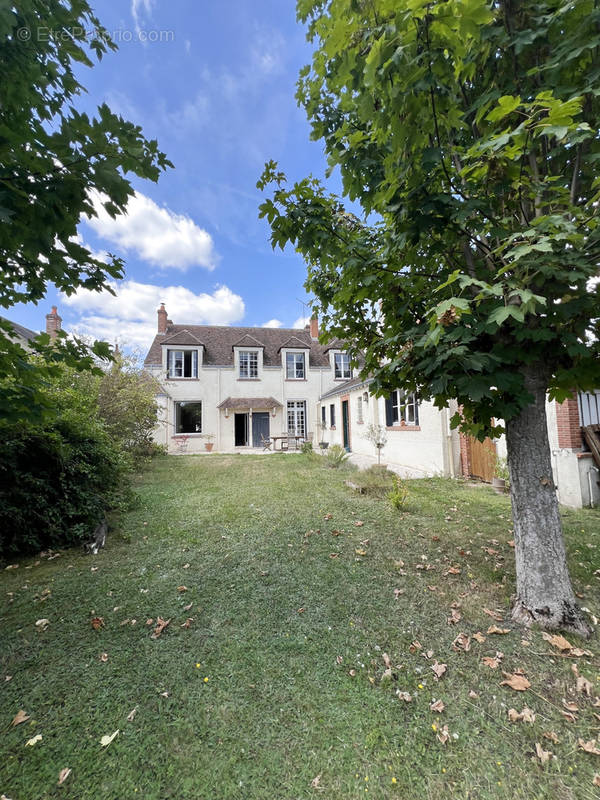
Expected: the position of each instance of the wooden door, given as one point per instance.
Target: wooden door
(483, 458)
(346, 425)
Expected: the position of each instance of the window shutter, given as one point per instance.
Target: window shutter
(389, 412)
(416, 409)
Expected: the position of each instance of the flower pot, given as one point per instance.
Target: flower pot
(323, 445)
(499, 485)
(208, 446)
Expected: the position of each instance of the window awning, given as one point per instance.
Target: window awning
(245, 403)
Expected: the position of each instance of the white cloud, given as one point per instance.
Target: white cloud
(301, 322)
(272, 323)
(140, 8)
(130, 315)
(158, 235)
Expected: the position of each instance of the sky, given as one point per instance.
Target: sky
(214, 83)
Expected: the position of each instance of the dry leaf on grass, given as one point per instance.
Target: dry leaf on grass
(438, 669)
(42, 624)
(405, 696)
(558, 641)
(479, 637)
(20, 717)
(386, 660)
(106, 740)
(328, 516)
(570, 706)
(187, 608)
(527, 715)
(543, 755)
(473, 694)
(596, 781)
(494, 614)
(161, 624)
(187, 623)
(551, 736)
(131, 715)
(333, 555)
(34, 741)
(517, 682)
(352, 673)
(359, 523)
(97, 623)
(455, 617)
(589, 747)
(493, 662)
(63, 775)
(414, 646)
(103, 657)
(316, 782)
(443, 735)
(339, 659)
(360, 552)
(452, 571)
(398, 592)
(584, 686)
(568, 716)
(462, 642)
(182, 589)
(499, 631)
(438, 706)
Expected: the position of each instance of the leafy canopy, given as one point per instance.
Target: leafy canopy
(467, 132)
(53, 161)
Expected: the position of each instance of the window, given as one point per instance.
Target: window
(359, 410)
(332, 415)
(323, 417)
(296, 417)
(402, 408)
(294, 366)
(188, 417)
(248, 364)
(182, 363)
(342, 365)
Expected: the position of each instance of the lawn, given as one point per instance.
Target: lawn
(286, 594)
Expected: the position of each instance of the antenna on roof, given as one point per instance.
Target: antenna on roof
(304, 305)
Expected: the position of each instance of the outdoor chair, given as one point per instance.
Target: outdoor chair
(266, 443)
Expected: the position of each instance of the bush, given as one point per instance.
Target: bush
(306, 448)
(336, 455)
(56, 483)
(399, 494)
(377, 481)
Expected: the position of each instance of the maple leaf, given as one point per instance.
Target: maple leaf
(97, 623)
(543, 755)
(161, 624)
(438, 669)
(499, 631)
(589, 747)
(527, 715)
(106, 740)
(479, 637)
(20, 717)
(437, 706)
(63, 775)
(462, 642)
(517, 682)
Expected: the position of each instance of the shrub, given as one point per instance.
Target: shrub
(376, 480)
(306, 448)
(336, 455)
(399, 494)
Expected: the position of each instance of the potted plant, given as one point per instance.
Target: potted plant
(500, 481)
(322, 427)
(208, 444)
(378, 438)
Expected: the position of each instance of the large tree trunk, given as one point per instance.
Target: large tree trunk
(544, 592)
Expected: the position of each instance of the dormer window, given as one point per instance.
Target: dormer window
(182, 363)
(294, 366)
(342, 365)
(248, 364)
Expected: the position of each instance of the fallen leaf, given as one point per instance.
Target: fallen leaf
(438, 669)
(339, 659)
(131, 715)
(106, 740)
(125, 622)
(494, 614)
(20, 717)
(186, 566)
(455, 617)
(359, 523)
(527, 715)
(404, 696)
(493, 662)
(63, 775)
(473, 694)
(568, 716)
(164, 694)
(316, 782)
(104, 657)
(161, 624)
(34, 741)
(584, 686)
(437, 706)
(42, 624)
(352, 673)
(479, 637)
(589, 747)
(452, 571)
(7, 678)
(335, 533)
(333, 555)
(558, 641)
(328, 516)
(414, 646)
(444, 734)
(398, 592)
(577, 651)
(517, 682)
(97, 623)
(573, 707)
(386, 660)
(543, 755)
(551, 736)
(188, 622)
(182, 589)
(360, 552)
(500, 631)
(462, 642)
(596, 781)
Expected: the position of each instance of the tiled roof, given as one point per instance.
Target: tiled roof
(219, 340)
(348, 386)
(182, 337)
(248, 341)
(21, 330)
(294, 342)
(249, 402)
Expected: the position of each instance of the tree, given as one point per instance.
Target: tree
(377, 436)
(54, 160)
(467, 132)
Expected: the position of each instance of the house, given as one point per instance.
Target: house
(23, 336)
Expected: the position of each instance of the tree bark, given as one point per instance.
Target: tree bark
(544, 592)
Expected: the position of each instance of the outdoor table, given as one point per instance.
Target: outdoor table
(281, 437)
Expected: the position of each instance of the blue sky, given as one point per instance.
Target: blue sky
(218, 94)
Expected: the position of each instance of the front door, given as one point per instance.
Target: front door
(346, 425)
(241, 430)
(260, 428)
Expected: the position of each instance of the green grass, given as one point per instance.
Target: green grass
(278, 709)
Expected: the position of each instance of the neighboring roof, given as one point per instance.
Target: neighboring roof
(347, 386)
(20, 330)
(182, 337)
(249, 402)
(295, 343)
(248, 341)
(219, 340)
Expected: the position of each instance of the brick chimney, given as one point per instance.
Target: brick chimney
(162, 319)
(53, 323)
(314, 327)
